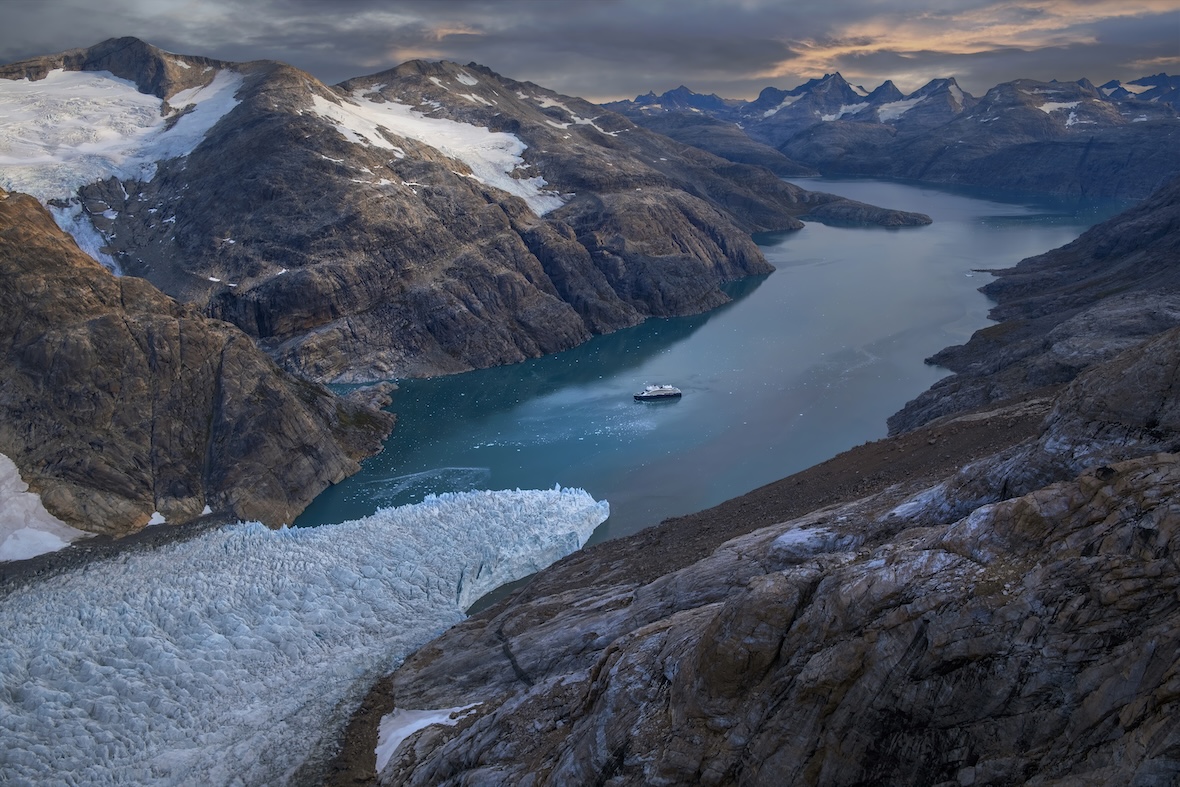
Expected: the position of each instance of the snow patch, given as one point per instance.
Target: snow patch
(474, 99)
(1053, 106)
(73, 128)
(439, 82)
(956, 96)
(892, 110)
(181, 63)
(395, 727)
(786, 102)
(157, 519)
(26, 528)
(204, 661)
(1136, 89)
(842, 111)
(74, 222)
(491, 155)
(467, 79)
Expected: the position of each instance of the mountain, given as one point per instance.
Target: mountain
(429, 219)
(1045, 137)
(119, 404)
(1160, 88)
(986, 599)
(680, 98)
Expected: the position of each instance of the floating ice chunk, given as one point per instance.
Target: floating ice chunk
(200, 662)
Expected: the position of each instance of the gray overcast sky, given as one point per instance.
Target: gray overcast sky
(606, 49)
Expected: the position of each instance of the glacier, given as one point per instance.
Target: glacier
(236, 656)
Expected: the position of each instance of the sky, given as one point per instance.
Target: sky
(609, 49)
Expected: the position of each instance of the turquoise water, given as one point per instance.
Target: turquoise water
(803, 364)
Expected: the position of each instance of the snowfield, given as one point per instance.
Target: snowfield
(73, 128)
(234, 657)
(26, 528)
(492, 156)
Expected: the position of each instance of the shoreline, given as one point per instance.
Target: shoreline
(918, 458)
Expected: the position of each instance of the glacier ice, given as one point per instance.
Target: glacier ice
(26, 528)
(203, 660)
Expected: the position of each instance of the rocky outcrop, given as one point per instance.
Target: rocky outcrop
(117, 402)
(429, 219)
(1065, 310)
(916, 635)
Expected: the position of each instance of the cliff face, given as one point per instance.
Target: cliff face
(987, 599)
(117, 402)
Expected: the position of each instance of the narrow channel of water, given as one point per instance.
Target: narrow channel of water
(803, 364)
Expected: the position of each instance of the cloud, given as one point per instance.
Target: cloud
(605, 49)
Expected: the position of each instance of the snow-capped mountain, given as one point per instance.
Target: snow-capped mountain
(1159, 88)
(429, 219)
(1125, 135)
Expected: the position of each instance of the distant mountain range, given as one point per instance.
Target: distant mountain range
(1054, 137)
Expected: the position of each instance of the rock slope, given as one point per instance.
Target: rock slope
(118, 402)
(1065, 310)
(428, 219)
(1000, 614)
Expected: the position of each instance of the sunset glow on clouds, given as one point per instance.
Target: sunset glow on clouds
(605, 49)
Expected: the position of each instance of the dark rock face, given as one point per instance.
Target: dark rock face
(996, 618)
(916, 635)
(365, 255)
(1063, 311)
(118, 402)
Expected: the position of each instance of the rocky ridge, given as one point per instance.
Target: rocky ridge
(1065, 310)
(119, 403)
(987, 599)
(429, 219)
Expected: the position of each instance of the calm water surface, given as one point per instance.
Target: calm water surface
(803, 364)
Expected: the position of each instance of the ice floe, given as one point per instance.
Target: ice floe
(233, 657)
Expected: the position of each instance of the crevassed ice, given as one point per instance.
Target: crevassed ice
(73, 128)
(78, 127)
(232, 657)
(491, 155)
